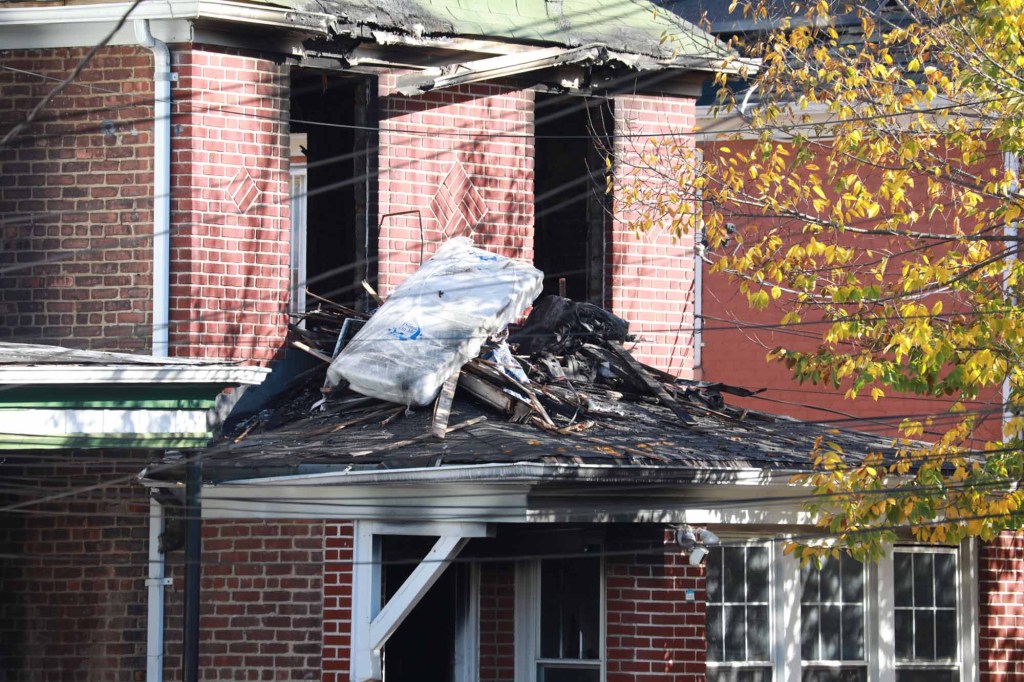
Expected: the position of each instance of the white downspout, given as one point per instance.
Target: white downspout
(161, 184)
(161, 319)
(155, 584)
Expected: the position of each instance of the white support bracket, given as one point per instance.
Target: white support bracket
(412, 590)
(373, 623)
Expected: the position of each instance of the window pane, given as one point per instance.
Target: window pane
(924, 580)
(830, 620)
(739, 675)
(927, 675)
(904, 634)
(809, 584)
(733, 578)
(560, 674)
(570, 622)
(830, 589)
(714, 575)
(904, 573)
(735, 633)
(924, 634)
(757, 574)
(945, 580)
(809, 622)
(812, 674)
(853, 580)
(757, 633)
(945, 635)
(714, 632)
(853, 633)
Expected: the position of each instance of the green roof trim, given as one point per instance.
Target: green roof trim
(111, 396)
(82, 441)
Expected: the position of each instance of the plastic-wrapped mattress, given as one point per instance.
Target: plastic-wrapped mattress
(435, 322)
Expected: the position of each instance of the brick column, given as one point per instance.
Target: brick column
(1001, 608)
(651, 275)
(230, 209)
(337, 643)
(654, 633)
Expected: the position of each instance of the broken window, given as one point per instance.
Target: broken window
(334, 157)
(572, 210)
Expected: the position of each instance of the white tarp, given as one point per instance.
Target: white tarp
(435, 322)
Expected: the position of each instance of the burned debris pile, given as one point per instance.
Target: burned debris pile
(565, 371)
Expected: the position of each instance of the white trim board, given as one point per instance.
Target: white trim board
(49, 422)
(131, 374)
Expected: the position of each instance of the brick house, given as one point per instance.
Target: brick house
(214, 157)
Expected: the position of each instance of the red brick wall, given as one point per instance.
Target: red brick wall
(497, 622)
(72, 593)
(653, 632)
(261, 602)
(76, 190)
(230, 215)
(1001, 601)
(453, 135)
(651, 275)
(337, 604)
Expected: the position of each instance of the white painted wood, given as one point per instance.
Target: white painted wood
(882, 666)
(299, 190)
(786, 615)
(970, 623)
(50, 422)
(527, 620)
(467, 629)
(412, 590)
(462, 529)
(131, 374)
(366, 592)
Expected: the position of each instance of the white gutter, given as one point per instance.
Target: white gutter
(128, 374)
(161, 185)
(155, 583)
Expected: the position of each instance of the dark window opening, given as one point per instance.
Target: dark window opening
(423, 647)
(333, 117)
(572, 210)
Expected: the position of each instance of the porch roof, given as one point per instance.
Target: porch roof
(646, 438)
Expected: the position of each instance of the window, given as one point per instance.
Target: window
(903, 618)
(925, 599)
(561, 630)
(738, 625)
(832, 621)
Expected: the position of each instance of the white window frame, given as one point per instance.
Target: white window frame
(298, 189)
(775, 617)
(961, 602)
(879, 613)
(527, 622)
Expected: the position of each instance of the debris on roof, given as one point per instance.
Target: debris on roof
(560, 388)
(434, 323)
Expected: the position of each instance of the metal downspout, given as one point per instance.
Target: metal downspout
(161, 310)
(161, 184)
(155, 585)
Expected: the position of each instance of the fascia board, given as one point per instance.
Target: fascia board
(223, 10)
(128, 374)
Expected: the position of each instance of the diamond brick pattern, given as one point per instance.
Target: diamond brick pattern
(457, 204)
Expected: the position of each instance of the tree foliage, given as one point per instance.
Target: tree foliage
(871, 191)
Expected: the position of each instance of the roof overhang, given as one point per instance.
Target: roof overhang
(72, 25)
(514, 493)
